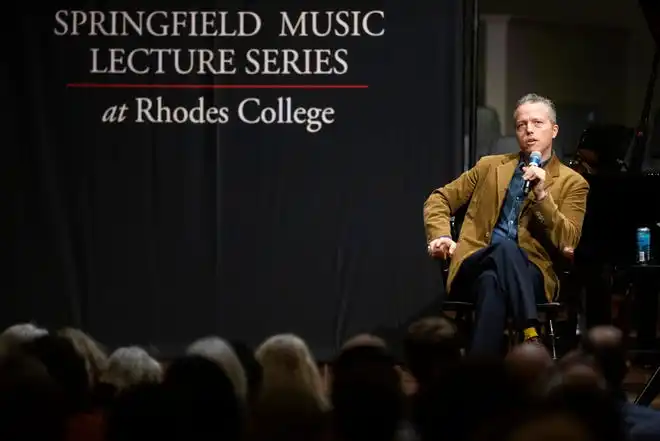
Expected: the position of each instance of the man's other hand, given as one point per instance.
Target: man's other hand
(442, 248)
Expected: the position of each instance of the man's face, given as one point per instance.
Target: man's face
(534, 129)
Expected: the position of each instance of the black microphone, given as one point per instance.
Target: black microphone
(534, 161)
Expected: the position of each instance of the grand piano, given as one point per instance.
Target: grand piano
(622, 198)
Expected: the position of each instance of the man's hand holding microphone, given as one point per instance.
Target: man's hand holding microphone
(534, 177)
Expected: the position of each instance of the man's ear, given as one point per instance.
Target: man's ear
(555, 131)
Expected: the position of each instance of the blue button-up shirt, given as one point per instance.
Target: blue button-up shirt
(507, 224)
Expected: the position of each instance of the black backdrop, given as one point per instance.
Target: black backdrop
(158, 234)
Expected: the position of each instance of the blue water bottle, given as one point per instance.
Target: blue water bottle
(643, 245)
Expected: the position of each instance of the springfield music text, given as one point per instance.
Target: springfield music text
(126, 42)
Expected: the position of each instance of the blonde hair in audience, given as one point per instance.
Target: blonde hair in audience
(287, 360)
(96, 359)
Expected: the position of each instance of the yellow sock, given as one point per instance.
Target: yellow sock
(530, 333)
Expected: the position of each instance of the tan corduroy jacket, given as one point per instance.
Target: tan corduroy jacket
(544, 228)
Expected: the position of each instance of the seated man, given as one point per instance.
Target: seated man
(519, 220)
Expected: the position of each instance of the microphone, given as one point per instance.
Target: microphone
(534, 161)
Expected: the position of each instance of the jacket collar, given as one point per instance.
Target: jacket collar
(507, 167)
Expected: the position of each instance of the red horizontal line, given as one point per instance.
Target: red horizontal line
(214, 86)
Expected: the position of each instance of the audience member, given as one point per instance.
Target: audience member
(605, 344)
(581, 397)
(227, 391)
(477, 398)
(32, 402)
(90, 350)
(65, 366)
(292, 404)
(222, 353)
(362, 340)
(366, 394)
(138, 413)
(14, 336)
(430, 347)
(529, 363)
(130, 366)
(200, 402)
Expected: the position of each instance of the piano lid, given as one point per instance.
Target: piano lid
(651, 11)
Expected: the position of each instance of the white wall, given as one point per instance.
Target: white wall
(586, 51)
(575, 65)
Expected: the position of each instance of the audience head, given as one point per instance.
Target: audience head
(529, 363)
(33, 405)
(430, 346)
(476, 398)
(14, 336)
(130, 366)
(287, 363)
(288, 413)
(575, 371)
(138, 411)
(226, 391)
(581, 396)
(366, 393)
(605, 345)
(90, 350)
(577, 388)
(221, 352)
(362, 340)
(199, 398)
(65, 366)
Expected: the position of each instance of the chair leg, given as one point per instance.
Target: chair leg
(553, 340)
(511, 334)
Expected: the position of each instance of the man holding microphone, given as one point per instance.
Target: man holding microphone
(524, 211)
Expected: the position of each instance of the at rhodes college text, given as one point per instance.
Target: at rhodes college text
(249, 111)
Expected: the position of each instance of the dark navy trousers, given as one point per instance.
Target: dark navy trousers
(501, 281)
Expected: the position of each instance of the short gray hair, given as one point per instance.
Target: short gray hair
(130, 366)
(535, 98)
(18, 334)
